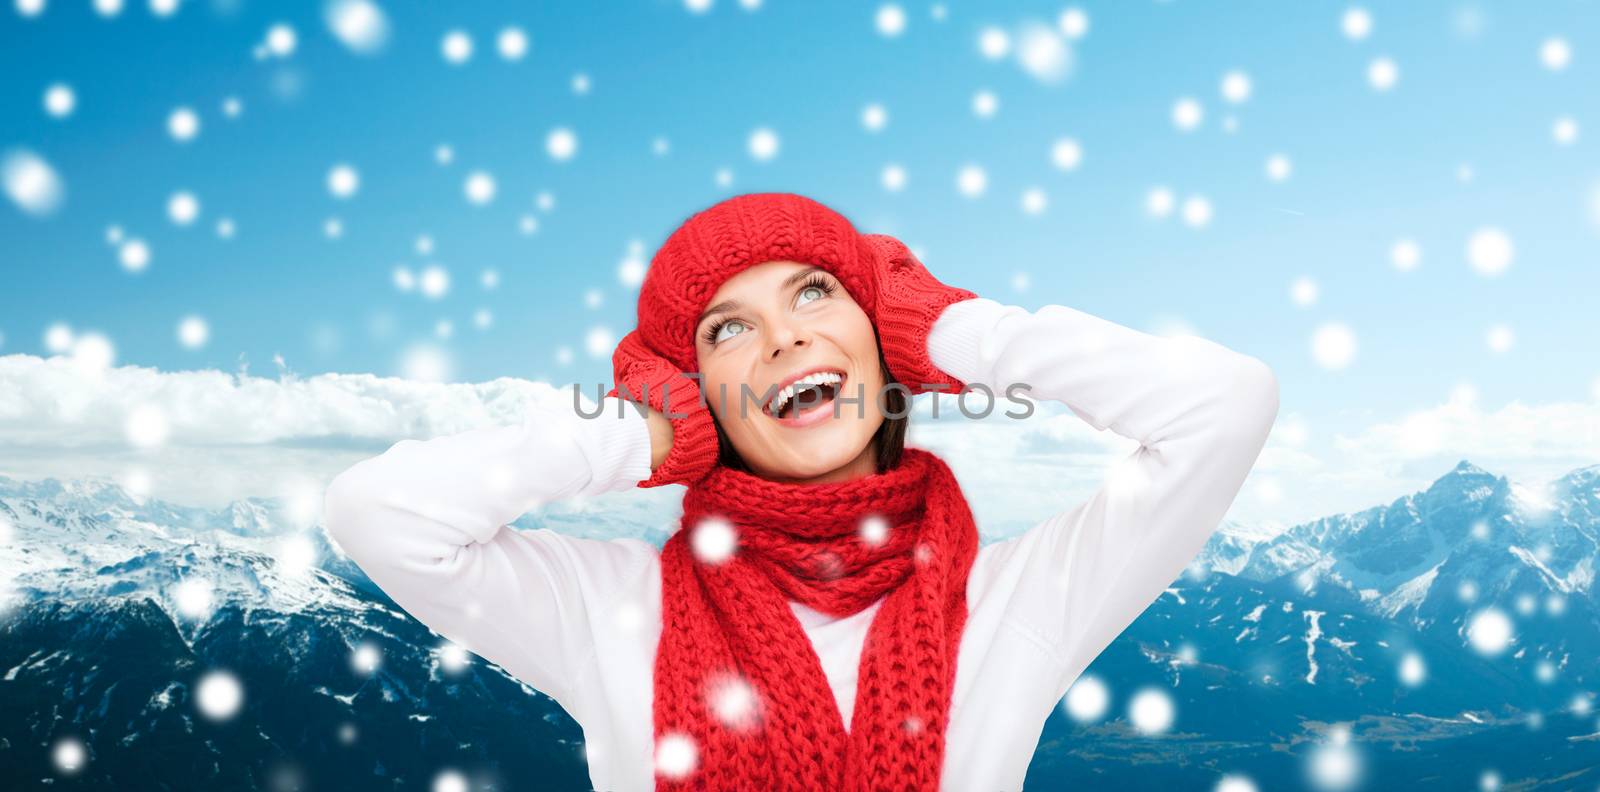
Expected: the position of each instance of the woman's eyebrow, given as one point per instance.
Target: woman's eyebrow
(725, 305)
(733, 305)
(799, 276)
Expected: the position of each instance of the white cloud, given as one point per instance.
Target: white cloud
(229, 436)
(1342, 470)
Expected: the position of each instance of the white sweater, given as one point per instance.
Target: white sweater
(579, 618)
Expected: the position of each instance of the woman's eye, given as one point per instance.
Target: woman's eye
(722, 331)
(817, 289)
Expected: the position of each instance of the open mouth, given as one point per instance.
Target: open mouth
(807, 399)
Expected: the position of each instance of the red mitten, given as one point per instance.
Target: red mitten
(675, 395)
(909, 301)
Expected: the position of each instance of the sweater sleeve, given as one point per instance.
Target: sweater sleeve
(427, 521)
(1201, 414)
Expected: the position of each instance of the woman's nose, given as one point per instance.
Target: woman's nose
(787, 336)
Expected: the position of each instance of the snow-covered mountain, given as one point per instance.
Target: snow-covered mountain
(117, 606)
(1471, 541)
(1230, 547)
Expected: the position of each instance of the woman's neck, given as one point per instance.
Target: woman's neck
(864, 464)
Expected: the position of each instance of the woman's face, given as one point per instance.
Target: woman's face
(763, 329)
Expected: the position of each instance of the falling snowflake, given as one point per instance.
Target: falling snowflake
(893, 177)
(512, 43)
(281, 40)
(561, 144)
(1074, 23)
(366, 658)
(435, 282)
(1236, 87)
(219, 695)
(1334, 764)
(1066, 153)
(733, 701)
(183, 207)
(763, 144)
(714, 540)
(1383, 73)
(1088, 699)
(994, 43)
(874, 530)
(343, 181)
(1333, 345)
(1489, 631)
(1159, 202)
(1304, 292)
(31, 183)
(1412, 670)
(985, 104)
(1500, 338)
(971, 180)
(456, 47)
(358, 24)
(1356, 24)
(60, 100)
(1490, 251)
(479, 188)
(890, 20)
(874, 117)
(1279, 168)
(1034, 201)
(296, 554)
(599, 342)
(676, 755)
(193, 332)
(1235, 783)
(1197, 211)
(1405, 254)
(193, 597)
(1187, 113)
(1151, 711)
(449, 781)
(69, 753)
(1555, 54)
(1565, 130)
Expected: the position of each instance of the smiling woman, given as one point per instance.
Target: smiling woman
(791, 366)
(823, 618)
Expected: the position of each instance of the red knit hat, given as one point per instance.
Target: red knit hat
(878, 271)
(741, 232)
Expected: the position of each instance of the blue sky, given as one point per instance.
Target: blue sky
(1462, 141)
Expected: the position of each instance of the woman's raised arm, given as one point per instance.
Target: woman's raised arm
(1201, 413)
(427, 521)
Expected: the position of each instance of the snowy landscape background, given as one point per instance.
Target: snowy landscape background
(247, 244)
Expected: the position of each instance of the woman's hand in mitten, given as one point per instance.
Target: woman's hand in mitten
(645, 377)
(909, 301)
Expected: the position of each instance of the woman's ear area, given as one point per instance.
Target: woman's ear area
(909, 301)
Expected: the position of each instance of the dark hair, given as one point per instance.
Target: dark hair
(890, 439)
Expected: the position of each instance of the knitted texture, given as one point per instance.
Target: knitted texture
(719, 242)
(909, 301)
(737, 678)
(899, 295)
(645, 377)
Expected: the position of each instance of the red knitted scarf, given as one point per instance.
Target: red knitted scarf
(741, 701)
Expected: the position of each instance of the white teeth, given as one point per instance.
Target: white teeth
(819, 378)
